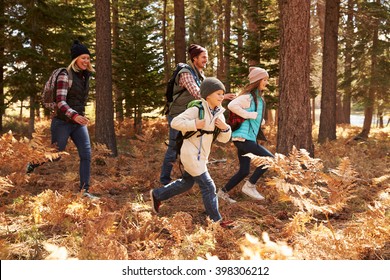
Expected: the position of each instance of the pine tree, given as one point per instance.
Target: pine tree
(137, 62)
(372, 57)
(36, 44)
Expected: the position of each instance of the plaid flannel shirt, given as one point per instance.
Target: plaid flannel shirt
(187, 81)
(62, 92)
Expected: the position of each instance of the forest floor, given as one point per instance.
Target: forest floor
(336, 207)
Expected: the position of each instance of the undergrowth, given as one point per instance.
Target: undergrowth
(333, 206)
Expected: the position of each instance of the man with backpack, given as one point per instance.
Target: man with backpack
(186, 87)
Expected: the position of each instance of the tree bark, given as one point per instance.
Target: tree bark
(321, 18)
(2, 64)
(167, 68)
(327, 130)
(313, 110)
(104, 131)
(254, 35)
(348, 63)
(31, 121)
(369, 106)
(294, 116)
(180, 41)
(221, 60)
(240, 37)
(228, 10)
(339, 110)
(115, 40)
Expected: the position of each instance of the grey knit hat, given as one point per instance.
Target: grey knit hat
(210, 85)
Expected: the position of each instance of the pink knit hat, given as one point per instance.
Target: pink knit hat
(256, 73)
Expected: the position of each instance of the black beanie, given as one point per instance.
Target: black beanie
(78, 49)
(210, 85)
(195, 50)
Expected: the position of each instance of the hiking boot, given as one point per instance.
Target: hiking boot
(155, 202)
(85, 193)
(225, 196)
(250, 190)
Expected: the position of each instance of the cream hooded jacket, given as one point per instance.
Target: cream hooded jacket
(195, 151)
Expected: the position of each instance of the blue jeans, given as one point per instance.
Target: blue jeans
(245, 163)
(170, 155)
(207, 188)
(60, 133)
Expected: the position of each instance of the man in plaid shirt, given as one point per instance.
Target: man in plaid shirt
(189, 81)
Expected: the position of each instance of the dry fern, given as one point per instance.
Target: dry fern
(43, 218)
(302, 179)
(253, 249)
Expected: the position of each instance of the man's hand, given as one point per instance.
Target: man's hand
(229, 96)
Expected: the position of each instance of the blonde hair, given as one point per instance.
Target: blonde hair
(74, 67)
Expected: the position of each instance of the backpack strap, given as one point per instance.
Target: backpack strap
(192, 71)
(70, 78)
(68, 73)
(188, 134)
(198, 104)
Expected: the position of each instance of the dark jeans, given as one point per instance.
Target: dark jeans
(207, 188)
(170, 155)
(60, 133)
(245, 163)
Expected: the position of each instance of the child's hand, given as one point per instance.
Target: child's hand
(200, 123)
(220, 124)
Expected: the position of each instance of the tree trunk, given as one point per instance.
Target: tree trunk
(380, 119)
(313, 110)
(221, 60)
(269, 119)
(327, 130)
(253, 34)
(2, 64)
(180, 40)
(31, 122)
(167, 68)
(294, 116)
(228, 10)
(21, 110)
(240, 37)
(115, 41)
(321, 18)
(339, 110)
(348, 63)
(104, 131)
(369, 106)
